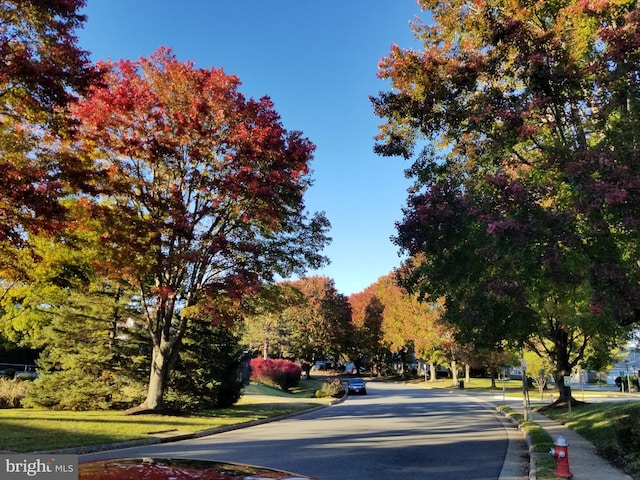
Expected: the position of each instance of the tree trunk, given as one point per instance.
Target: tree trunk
(157, 379)
(161, 364)
(563, 366)
(454, 371)
(306, 367)
(564, 393)
(166, 346)
(403, 360)
(433, 372)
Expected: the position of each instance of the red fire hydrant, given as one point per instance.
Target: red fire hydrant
(561, 452)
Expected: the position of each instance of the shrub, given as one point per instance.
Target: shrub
(628, 435)
(69, 390)
(89, 357)
(332, 387)
(12, 391)
(283, 374)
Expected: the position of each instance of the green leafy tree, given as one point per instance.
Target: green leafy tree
(265, 327)
(494, 361)
(538, 368)
(526, 195)
(203, 195)
(571, 334)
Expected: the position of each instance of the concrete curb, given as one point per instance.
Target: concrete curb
(533, 475)
(177, 435)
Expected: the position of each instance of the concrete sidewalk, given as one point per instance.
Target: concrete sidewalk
(584, 462)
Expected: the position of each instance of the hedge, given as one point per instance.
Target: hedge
(283, 374)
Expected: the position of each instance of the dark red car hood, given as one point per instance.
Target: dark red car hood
(176, 469)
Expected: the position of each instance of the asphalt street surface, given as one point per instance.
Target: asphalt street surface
(395, 431)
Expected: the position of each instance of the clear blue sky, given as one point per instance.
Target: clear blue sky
(317, 60)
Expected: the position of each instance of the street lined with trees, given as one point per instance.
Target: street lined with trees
(396, 429)
(154, 233)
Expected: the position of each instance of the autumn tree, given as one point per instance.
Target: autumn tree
(336, 309)
(527, 188)
(41, 71)
(367, 319)
(409, 325)
(203, 194)
(321, 322)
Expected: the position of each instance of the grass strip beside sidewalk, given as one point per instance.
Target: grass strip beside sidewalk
(614, 429)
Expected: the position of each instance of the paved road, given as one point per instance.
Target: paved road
(396, 431)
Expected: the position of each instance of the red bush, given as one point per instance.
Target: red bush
(283, 374)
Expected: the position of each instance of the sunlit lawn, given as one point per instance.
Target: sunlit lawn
(28, 430)
(514, 388)
(510, 386)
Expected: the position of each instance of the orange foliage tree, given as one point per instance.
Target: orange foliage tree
(367, 319)
(408, 323)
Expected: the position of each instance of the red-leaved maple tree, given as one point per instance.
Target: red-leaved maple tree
(202, 194)
(41, 70)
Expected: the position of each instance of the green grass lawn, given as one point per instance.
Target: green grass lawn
(28, 430)
(510, 387)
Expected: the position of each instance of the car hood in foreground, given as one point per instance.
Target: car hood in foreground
(176, 469)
